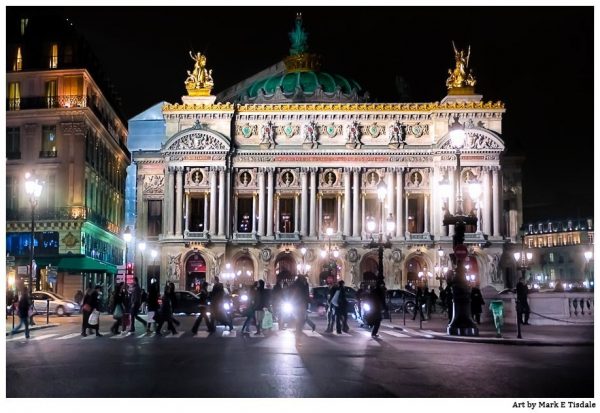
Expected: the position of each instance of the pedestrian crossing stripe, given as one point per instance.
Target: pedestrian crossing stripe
(179, 334)
(68, 336)
(394, 333)
(202, 334)
(229, 334)
(16, 338)
(120, 336)
(45, 336)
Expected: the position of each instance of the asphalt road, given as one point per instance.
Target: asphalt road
(58, 362)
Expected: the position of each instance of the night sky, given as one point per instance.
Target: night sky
(537, 60)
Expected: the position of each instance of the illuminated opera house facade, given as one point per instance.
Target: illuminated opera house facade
(240, 184)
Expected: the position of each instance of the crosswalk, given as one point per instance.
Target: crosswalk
(202, 334)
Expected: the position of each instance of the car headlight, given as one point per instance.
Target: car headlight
(70, 305)
(244, 297)
(226, 306)
(208, 313)
(287, 308)
(366, 307)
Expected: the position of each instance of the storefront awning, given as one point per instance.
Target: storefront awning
(85, 264)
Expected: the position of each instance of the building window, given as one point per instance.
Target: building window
(154, 217)
(530, 242)
(561, 260)
(14, 96)
(49, 193)
(18, 244)
(552, 274)
(73, 91)
(13, 143)
(550, 243)
(286, 215)
(18, 64)
(51, 93)
(196, 215)
(48, 142)
(24, 23)
(67, 54)
(244, 215)
(12, 195)
(53, 60)
(329, 211)
(415, 212)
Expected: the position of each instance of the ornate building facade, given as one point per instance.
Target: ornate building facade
(63, 128)
(293, 158)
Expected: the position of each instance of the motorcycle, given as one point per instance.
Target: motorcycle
(222, 314)
(286, 313)
(365, 314)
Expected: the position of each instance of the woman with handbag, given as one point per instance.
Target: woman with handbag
(90, 305)
(117, 308)
(23, 310)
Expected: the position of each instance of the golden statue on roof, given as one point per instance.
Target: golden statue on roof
(200, 81)
(461, 78)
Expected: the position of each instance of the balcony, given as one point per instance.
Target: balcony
(76, 213)
(48, 154)
(13, 155)
(46, 102)
(287, 236)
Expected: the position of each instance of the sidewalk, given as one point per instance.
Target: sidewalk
(31, 328)
(533, 335)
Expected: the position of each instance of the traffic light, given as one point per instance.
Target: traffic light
(129, 273)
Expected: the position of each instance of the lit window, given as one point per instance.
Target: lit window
(24, 26)
(72, 91)
(53, 56)
(51, 93)
(14, 96)
(18, 65)
(48, 142)
(552, 274)
(551, 257)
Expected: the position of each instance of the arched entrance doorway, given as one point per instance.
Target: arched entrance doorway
(195, 270)
(243, 268)
(416, 266)
(285, 268)
(368, 270)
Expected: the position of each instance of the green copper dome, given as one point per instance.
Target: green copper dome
(305, 82)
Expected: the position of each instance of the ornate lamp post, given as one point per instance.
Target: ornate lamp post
(142, 248)
(384, 233)
(523, 259)
(127, 238)
(303, 268)
(462, 323)
(332, 253)
(33, 188)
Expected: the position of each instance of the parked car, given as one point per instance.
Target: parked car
(187, 303)
(54, 303)
(401, 300)
(318, 299)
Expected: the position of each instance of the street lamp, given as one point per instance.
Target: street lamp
(142, 248)
(523, 259)
(462, 323)
(383, 236)
(303, 268)
(127, 238)
(33, 188)
(332, 253)
(440, 275)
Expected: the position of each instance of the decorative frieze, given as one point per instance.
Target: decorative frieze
(153, 184)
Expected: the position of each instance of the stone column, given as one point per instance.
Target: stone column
(363, 222)
(254, 212)
(356, 224)
(270, 202)
(389, 175)
(496, 201)
(235, 212)
(399, 203)
(187, 212)
(347, 200)
(205, 227)
(179, 201)
(213, 202)
(165, 204)
(261, 202)
(222, 206)
(320, 229)
(277, 213)
(171, 199)
(426, 212)
(313, 201)
(452, 198)
(296, 211)
(487, 202)
(406, 214)
(304, 200)
(339, 213)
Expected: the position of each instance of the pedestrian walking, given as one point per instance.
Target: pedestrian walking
(420, 300)
(91, 303)
(301, 297)
(377, 301)
(204, 310)
(330, 307)
(173, 298)
(217, 299)
(261, 305)
(135, 302)
(165, 313)
(522, 304)
(341, 310)
(433, 300)
(153, 306)
(449, 298)
(250, 309)
(23, 307)
(116, 307)
(476, 303)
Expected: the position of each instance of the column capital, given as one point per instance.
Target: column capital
(399, 169)
(313, 169)
(356, 169)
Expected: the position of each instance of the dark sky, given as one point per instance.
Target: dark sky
(538, 60)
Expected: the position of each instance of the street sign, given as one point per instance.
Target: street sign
(461, 251)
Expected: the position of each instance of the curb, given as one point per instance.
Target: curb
(35, 327)
(489, 340)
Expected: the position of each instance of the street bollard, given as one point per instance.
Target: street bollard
(13, 316)
(47, 311)
(497, 308)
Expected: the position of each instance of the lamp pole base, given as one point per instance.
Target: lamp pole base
(462, 324)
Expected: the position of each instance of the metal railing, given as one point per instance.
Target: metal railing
(62, 214)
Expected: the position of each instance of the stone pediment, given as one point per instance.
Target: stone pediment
(196, 139)
(477, 139)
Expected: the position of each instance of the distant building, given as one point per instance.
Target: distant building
(64, 128)
(291, 159)
(559, 252)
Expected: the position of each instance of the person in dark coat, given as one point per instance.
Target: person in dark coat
(250, 309)
(23, 311)
(449, 298)
(476, 303)
(93, 303)
(522, 304)
(260, 305)
(173, 298)
(153, 306)
(217, 299)
(330, 308)
(117, 308)
(135, 302)
(165, 313)
(420, 300)
(301, 298)
(341, 315)
(204, 310)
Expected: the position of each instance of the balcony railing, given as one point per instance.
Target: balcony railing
(62, 214)
(48, 154)
(46, 102)
(13, 155)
